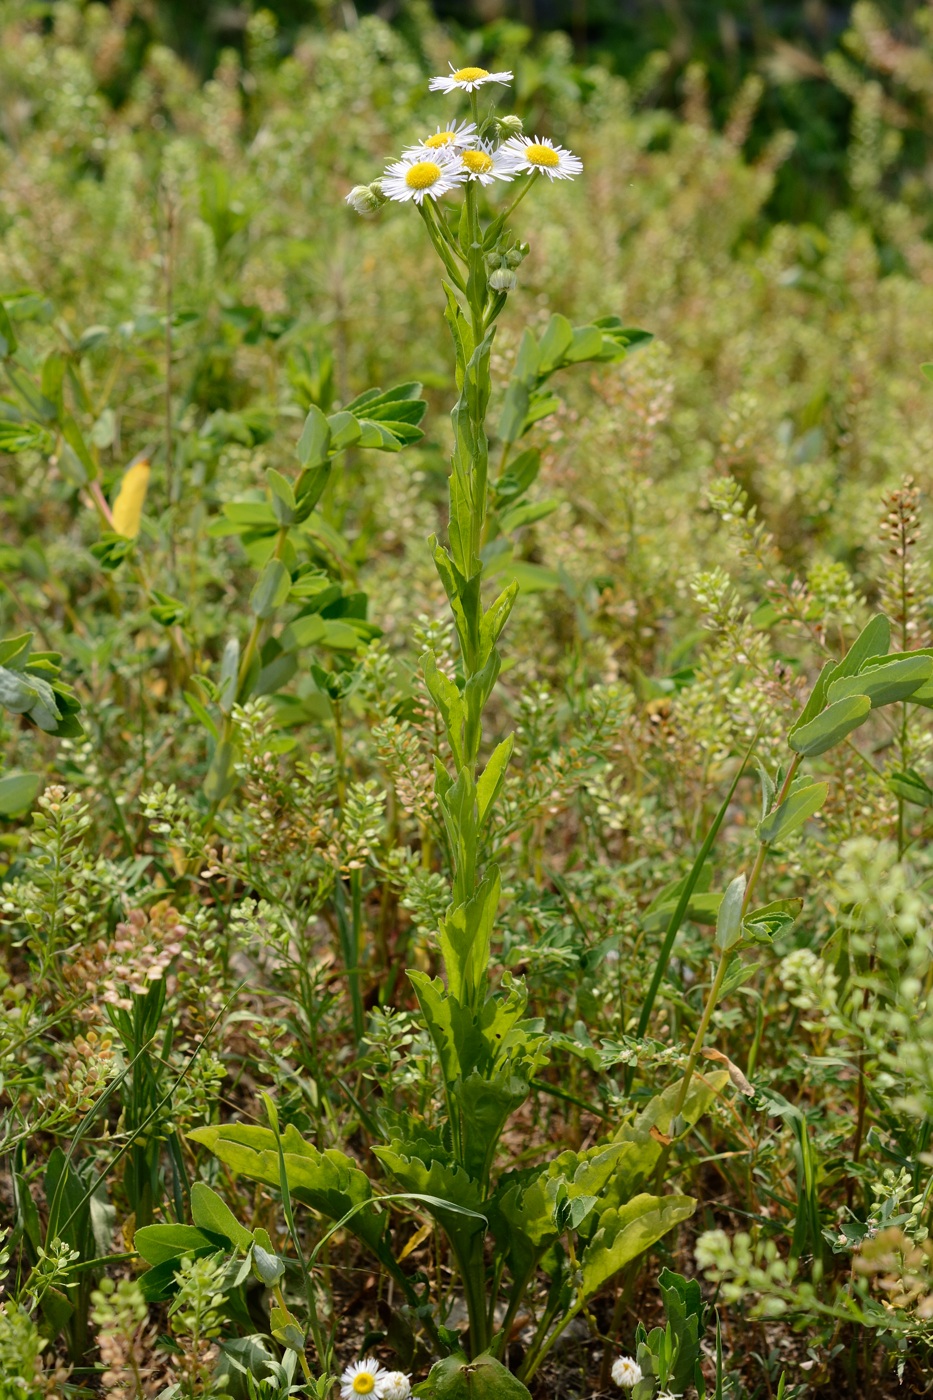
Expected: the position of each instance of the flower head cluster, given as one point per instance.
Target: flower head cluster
(463, 151)
(626, 1372)
(368, 1377)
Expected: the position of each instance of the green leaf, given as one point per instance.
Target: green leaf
(729, 918)
(489, 783)
(926, 369)
(873, 640)
(527, 514)
(761, 925)
(801, 804)
(315, 438)
(815, 700)
(283, 497)
(554, 344)
(345, 430)
(18, 791)
(830, 727)
(271, 589)
(589, 343)
(72, 435)
(455, 1200)
(329, 1182)
(886, 683)
(16, 650)
(220, 779)
(209, 1212)
(465, 936)
(627, 1232)
(7, 334)
(483, 1378)
(157, 1244)
(910, 787)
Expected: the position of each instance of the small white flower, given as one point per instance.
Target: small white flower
(395, 1385)
(413, 179)
(362, 1378)
(542, 155)
(626, 1372)
(445, 138)
(466, 79)
(486, 164)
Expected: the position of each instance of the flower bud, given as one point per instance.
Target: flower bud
(365, 200)
(503, 280)
(509, 126)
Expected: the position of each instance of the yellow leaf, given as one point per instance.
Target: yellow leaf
(128, 507)
(417, 1238)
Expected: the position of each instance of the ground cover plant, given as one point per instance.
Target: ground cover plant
(463, 878)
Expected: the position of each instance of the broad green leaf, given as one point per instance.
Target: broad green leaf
(315, 438)
(588, 343)
(157, 1244)
(270, 589)
(526, 514)
(801, 804)
(73, 436)
(18, 791)
(14, 651)
(762, 924)
(456, 1199)
(884, 684)
(815, 700)
(489, 783)
(7, 334)
(345, 430)
(626, 1233)
(465, 935)
(220, 778)
(283, 497)
(830, 727)
(873, 640)
(483, 1378)
(729, 917)
(910, 787)
(329, 1182)
(554, 344)
(702, 908)
(209, 1212)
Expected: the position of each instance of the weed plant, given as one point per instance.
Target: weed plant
(493, 966)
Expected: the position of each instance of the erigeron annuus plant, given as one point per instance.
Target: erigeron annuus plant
(578, 1219)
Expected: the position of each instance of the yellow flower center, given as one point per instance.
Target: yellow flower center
(470, 75)
(440, 138)
(477, 161)
(364, 1382)
(420, 176)
(541, 155)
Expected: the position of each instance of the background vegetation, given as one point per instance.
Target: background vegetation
(188, 927)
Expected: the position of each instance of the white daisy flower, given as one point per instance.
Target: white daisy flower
(466, 79)
(414, 178)
(486, 164)
(540, 154)
(626, 1372)
(395, 1385)
(445, 138)
(362, 1378)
